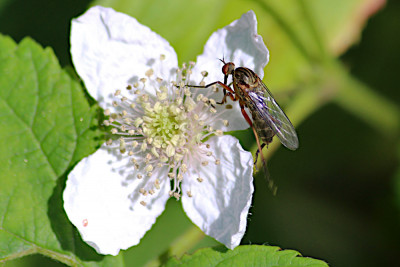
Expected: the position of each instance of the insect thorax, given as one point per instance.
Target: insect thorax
(245, 80)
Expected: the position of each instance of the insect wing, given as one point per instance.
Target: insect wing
(266, 106)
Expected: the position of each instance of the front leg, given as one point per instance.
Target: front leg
(226, 87)
(226, 94)
(228, 91)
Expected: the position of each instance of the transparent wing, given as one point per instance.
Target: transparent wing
(264, 103)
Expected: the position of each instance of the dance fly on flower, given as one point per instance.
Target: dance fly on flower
(268, 117)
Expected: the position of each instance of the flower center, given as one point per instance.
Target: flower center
(165, 123)
(163, 133)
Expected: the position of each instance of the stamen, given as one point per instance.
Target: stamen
(163, 132)
(149, 73)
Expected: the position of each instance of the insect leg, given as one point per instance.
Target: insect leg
(230, 92)
(226, 94)
(223, 101)
(246, 117)
(258, 151)
(226, 87)
(260, 147)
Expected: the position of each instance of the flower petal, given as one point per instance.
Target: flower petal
(110, 49)
(101, 199)
(238, 43)
(219, 205)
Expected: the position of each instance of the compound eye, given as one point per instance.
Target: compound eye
(228, 68)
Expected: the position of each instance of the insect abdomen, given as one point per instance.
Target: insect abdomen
(262, 128)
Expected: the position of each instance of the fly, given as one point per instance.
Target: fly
(268, 119)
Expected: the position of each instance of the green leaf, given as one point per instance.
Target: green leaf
(46, 126)
(253, 255)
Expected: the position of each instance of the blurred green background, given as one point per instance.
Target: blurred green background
(339, 194)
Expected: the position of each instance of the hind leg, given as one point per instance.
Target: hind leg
(258, 151)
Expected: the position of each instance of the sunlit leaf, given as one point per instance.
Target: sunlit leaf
(45, 128)
(246, 256)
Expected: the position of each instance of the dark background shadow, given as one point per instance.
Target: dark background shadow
(337, 194)
(46, 21)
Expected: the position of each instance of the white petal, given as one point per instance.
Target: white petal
(238, 43)
(219, 205)
(98, 200)
(110, 49)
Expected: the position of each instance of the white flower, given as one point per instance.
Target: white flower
(171, 141)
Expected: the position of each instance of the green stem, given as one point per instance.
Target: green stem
(312, 26)
(182, 244)
(286, 28)
(186, 241)
(368, 104)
